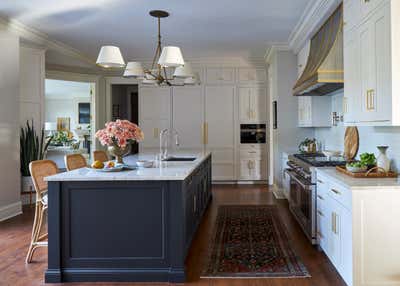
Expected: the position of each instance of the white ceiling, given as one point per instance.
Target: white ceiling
(202, 28)
(66, 90)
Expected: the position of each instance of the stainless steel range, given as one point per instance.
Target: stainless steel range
(302, 198)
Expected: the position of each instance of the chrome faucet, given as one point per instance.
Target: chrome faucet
(165, 135)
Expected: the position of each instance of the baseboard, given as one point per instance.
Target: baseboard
(10, 211)
(240, 182)
(278, 193)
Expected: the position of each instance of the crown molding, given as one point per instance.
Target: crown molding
(275, 48)
(313, 16)
(35, 37)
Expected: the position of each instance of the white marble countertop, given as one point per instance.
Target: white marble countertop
(166, 171)
(360, 183)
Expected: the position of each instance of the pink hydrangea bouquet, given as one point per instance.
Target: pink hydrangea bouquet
(119, 133)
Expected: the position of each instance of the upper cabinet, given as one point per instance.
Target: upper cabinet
(216, 75)
(372, 63)
(252, 75)
(252, 105)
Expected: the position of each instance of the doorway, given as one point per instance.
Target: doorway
(69, 118)
(125, 106)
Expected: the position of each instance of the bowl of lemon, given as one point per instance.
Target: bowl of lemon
(109, 166)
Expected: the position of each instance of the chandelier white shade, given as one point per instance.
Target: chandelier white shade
(171, 57)
(134, 69)
(184, 71)
(164, 58)
(110, 57)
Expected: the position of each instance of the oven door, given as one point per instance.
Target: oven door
(302, 203)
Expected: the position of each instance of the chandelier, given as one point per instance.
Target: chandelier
(165, 57)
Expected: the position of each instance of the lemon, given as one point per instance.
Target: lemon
(98, 165)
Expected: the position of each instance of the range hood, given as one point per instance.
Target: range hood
(323, 73)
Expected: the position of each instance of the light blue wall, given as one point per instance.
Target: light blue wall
(370, 137)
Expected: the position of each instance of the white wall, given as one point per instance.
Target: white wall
(370, 137)
(10, 204)
(283, 75)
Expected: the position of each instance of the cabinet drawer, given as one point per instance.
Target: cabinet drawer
(340, 194)
(322, 187)
(256, 153)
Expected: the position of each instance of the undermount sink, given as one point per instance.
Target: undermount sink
(177, 159)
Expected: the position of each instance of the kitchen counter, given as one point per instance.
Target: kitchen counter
(166, 171)
(129, 226)
(360, 183)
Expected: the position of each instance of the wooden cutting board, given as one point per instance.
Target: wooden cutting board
(351, 143)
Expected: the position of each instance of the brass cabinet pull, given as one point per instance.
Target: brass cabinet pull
(370, 99)
(320, 197)
(206, 133)
(334, 223)
(321, 182)
(156, 132)
(194, 203)
(320, 213)
(336, 192)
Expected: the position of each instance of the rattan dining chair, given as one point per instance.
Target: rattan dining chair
(74, 161)
(39, 170)
(100, 155)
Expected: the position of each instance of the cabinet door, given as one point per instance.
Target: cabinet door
(220, 75)
(302, 58)
(351, 14)
(187, 116)
(253, 105)
(154, 114)
(368, 6)
(334, 234)
(375, 67)
(352, 85)
(252, 75)
(346, 268)
(220, 126)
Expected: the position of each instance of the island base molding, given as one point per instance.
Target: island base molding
(115, 275)
(125, 231)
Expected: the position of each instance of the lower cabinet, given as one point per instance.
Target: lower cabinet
(334, 226)
(253, 165)
(197, 197)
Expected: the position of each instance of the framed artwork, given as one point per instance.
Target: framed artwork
(115, 112)
(84, 113)
(275, 114)
(63, 123)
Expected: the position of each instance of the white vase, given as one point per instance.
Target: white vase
(383, 161)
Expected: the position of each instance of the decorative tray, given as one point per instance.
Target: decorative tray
(372, 173)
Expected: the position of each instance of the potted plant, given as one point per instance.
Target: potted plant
(32, 147)
(117, 135)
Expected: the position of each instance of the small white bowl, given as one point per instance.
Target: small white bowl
(356, 169)
(144, 163)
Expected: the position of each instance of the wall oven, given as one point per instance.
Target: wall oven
(253, 134)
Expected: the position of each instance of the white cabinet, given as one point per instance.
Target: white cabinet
(188, 116)
(252, 75)
(220, 130)
(252, 105)
(154, 114)
(253, 164)
(302, 58)
(314, 111)
(216, 75)
(334, 225)
(372, 70)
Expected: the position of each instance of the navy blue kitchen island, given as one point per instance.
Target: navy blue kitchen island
(129, 226)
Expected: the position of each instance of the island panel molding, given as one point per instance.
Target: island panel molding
(135, 231)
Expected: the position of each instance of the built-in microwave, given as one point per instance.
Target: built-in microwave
(253, 134)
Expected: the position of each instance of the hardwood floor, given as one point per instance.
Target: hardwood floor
(15, 235)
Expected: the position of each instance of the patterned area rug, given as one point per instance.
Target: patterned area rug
(251, 242)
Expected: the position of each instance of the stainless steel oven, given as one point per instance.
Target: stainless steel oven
(302, 203)
(253, 134)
